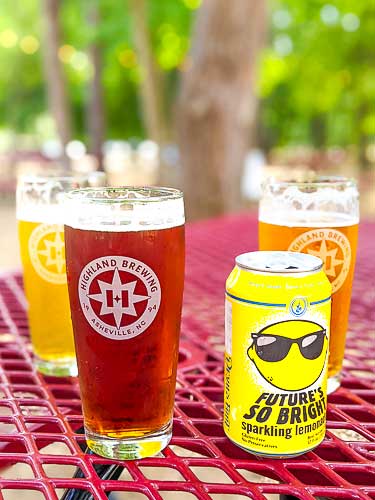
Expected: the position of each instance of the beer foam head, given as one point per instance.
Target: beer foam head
(124, 209)
(42, 198)
(330, 201)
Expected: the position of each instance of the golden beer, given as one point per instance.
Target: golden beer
(40, 215)
(43, 260)
(330, 235)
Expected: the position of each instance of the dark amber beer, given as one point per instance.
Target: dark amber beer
(125, 267)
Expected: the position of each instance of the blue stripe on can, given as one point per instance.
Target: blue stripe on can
(266, 304)
(320, 301)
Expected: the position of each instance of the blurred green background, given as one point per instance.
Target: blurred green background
(316, 79)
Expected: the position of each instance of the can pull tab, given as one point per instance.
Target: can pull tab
(289, 267)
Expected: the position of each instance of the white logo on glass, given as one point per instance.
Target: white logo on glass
(47, 252)
(119, 296)
(332, 246)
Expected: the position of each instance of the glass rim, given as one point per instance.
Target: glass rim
(318, 181)
(35, 178)
(164, 194)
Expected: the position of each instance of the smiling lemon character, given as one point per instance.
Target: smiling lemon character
(290, 354)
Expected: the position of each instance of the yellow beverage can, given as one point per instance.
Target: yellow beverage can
(277, 317)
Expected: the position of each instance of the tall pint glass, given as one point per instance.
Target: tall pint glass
(41, 235)
(125, 266)
(319, 217)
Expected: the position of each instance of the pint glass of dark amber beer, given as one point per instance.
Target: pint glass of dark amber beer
(125, 267)
(319, 217)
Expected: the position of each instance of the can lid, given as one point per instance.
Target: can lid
(279, 262)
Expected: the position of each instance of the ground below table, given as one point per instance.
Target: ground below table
(40, 448)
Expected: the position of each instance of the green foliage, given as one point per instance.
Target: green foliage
(21, 81)
(22, 88)
(316, 83)
(317, 77)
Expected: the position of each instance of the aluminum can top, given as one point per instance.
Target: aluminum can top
(279, 262)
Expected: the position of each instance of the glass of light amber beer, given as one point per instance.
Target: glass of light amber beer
(41, 235)
(319, 217)
(125, 267)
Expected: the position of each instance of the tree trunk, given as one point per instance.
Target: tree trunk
(95, 105)
(318, 127)
(151, 88)
(217, 104)
(55, 78)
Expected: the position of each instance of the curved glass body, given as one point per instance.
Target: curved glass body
(318, 217)
(41, 235)
(125, 266)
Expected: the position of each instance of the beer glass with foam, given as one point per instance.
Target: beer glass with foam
(40, 215)
(319, 217)
(125, 267)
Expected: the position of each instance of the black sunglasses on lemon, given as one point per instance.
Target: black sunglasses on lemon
(275, 347)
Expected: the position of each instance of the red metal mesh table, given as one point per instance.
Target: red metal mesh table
(201, 463)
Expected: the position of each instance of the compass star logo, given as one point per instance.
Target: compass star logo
(330, 262)
(119, 296)
(47, 252)
(54, 251)
(116, 291)
(332, 246)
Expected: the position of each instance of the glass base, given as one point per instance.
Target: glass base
(63, 368)
(129, 448)
(333, 383)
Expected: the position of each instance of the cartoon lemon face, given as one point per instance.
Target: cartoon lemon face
(290, 354)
